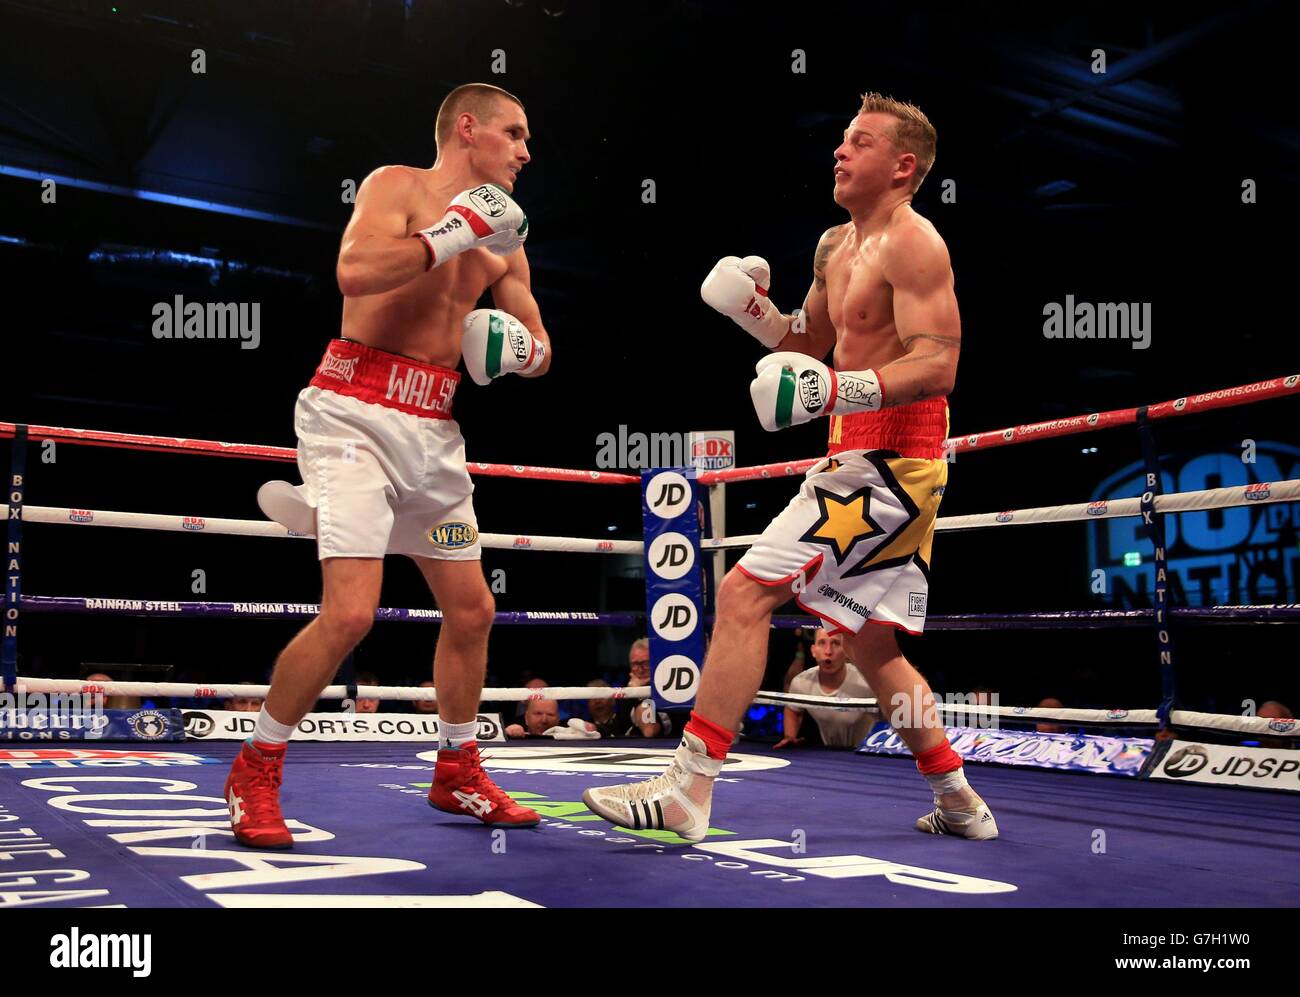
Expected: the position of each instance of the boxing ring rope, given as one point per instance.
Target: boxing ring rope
(981, 713)
(1178, 502)
(404, 693)
(1091, 718)
(1210, 498)
(1245, 394)
(1080, 619)
(264, 528)
(253, 451)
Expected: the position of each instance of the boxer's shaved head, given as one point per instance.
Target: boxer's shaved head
(912, 133)
(482, 100)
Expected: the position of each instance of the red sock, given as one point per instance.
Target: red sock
(938, 760)
(717, 740)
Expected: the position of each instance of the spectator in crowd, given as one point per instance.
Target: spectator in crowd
(425, 705)
(112, 702)
(244, 704)
(367, 705)
(540, 716)
(832, 675)
(802, 654)
(1047, 726)
(626, 718)
(609, 715)
(645, 722)
(533, 683)
(638, 662)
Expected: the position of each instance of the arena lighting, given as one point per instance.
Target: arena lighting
(161, 198)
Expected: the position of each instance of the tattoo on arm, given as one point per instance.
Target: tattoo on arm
(943, 342)
(829, 240)
(939, 346)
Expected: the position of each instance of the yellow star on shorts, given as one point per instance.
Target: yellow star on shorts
(844, 520)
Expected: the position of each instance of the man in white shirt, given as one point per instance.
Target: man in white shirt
(833, 675)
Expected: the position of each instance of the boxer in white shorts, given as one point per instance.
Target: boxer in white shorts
(382, 461)
(854, 545)
(381, 475)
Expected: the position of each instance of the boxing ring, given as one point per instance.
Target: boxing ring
(810, 829)
(145, 824)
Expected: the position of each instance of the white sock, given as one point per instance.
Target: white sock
(455, 735)
(271, 731)
(948, 782)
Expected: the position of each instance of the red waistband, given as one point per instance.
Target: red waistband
(387, 379)
(916, 430)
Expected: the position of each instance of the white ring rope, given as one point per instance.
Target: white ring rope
(1118, 718)
(191, 690)
(1210, 498)
(259, 528)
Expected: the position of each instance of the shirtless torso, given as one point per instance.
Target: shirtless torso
(882, 299)
(421, 317)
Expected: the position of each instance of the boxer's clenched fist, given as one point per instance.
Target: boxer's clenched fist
(496, 343)
(483, 216)
(792, 388)
(738, 289)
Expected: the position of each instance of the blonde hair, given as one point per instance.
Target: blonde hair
(913, 133)
(478, 99)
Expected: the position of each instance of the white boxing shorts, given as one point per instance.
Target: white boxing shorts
(382, 461)
(855, 542)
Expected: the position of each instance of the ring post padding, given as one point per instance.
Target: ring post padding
(13, 558)
(1153, 524)
(673, 588)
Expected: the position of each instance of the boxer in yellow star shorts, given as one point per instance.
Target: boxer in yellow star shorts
(854, 545)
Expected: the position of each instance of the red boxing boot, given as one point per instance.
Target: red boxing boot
(253, 795)
(460, 786)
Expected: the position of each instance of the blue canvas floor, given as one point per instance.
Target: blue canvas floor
(133, 826)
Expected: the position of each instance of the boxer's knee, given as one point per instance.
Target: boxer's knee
(348, 624)
(472, 615)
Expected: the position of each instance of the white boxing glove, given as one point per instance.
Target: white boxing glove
(738, 289)
(496, 343)
(483, 216)
(792, 388)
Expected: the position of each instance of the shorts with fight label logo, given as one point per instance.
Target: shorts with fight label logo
(382, 461)
(859, 535)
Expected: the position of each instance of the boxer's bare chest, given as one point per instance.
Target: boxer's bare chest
(861, 304)
(422, 318)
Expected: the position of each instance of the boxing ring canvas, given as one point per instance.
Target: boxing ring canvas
(146, 826)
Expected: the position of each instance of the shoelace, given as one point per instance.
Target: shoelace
(266, 776)
(483, 784)
(660, 785)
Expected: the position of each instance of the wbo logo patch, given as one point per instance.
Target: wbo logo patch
(452, 536)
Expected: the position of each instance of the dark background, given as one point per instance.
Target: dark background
(1117, 187)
